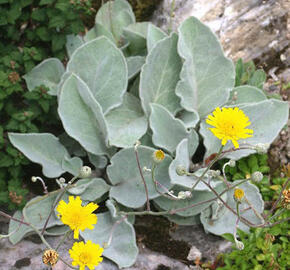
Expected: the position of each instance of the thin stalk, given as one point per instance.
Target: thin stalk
(206, 170)
(63, 239)
(143, 179)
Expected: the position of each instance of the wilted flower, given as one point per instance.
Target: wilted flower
(229, 124)
(76, 216)
(286, 198)
(50, 257)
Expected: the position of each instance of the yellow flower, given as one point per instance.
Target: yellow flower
(239, 194)
(229, 124)
(158, 156)
(86, 254)
(50, 257)
(76, 216)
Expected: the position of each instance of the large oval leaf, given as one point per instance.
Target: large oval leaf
(125, 176)
(154, 34)
(127, 123)
(114, 16)
(227, 222)
(160, 75)
(44, 149)
(207, 76)
(82, 123)
(103, 68)
(47, 73)
(123, 249)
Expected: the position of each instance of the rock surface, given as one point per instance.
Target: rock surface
(247, 29)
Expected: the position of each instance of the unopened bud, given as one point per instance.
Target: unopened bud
(232, 163)
(85, 172)
(33, 179)
(184, 195)
(145, 169)
(180, 170)
(239, 244)
(136, 145)
(262, 148)
(61, 180)
(214, 173)
(257, 177)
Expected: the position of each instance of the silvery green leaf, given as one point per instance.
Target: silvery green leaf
(246, 94)
(114, 16)
(42, 148)
(99, 162)
(72, 43)
(267, 119)
(146, 140)
(72, 165)
(190, 119)
(102, 66)
(127, 123)
(160, 75)
(90, 189)
(154, 34)
(197, 198)
(207, 76)
(136, 35)
(79, 121)
(47, 73)
(227, 222)
(71, 145)
(100, 30)
(114, 207)
(134, 64)
(184, 221)
(91, 34)
(36, 214)
(125, 176)
(193, 142)
(258, 78)
(182, 160)
(123, 249)
(57, 230)
(160, 120)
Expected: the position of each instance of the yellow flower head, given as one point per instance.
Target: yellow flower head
(158, 156)
(50, 257)
(239, 194)
(76, 216)
(229, 124)
(86, 254)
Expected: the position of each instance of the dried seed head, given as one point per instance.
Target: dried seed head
(50, 257)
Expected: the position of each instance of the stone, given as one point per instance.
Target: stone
(248, 29)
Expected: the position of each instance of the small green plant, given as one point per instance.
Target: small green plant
(30, 31)
(127, 90)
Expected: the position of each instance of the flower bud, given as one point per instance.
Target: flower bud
(158, 156)
(232, 163)
(239, 194)
(33, 179)
(145, 169)
(50, 257)
(184, 195)
(257, 177)
(214, 173)
(85, 172)
(239, 244)
(180, 170)
(61, 180)
(262, 148)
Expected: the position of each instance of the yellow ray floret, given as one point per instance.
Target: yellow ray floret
(229, 124)
(86, 254)
(76, 216)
